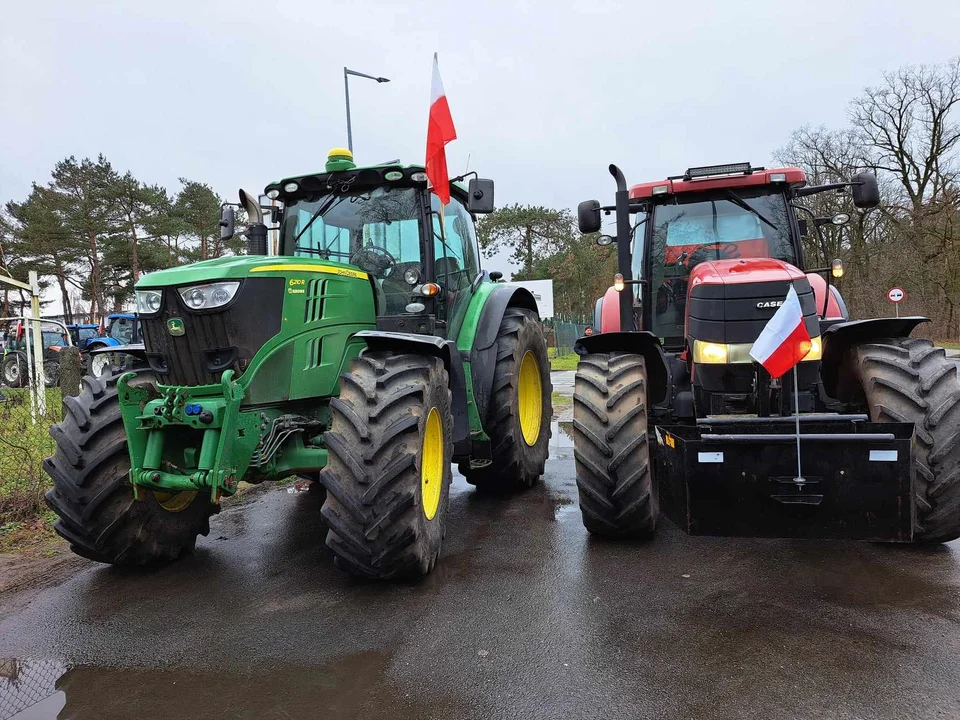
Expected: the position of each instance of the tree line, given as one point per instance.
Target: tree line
(905, 129)
(91, 231)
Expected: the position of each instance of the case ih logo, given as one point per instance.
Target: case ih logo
(769, 304)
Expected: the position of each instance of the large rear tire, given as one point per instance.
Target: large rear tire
(520, 408)
(911, 380)
(388, 475)
(92, 495)
(618, 498)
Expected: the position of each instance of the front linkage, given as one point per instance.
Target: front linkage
(234, 444)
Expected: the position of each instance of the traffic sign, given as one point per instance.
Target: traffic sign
(896, 294)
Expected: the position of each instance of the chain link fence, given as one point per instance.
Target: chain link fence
(24, 683)
(26, 414)
(562, 334)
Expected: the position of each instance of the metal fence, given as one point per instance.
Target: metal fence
(30, 402)
(561, 335)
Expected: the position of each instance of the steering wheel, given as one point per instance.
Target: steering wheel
(713, 251)
(375, 260)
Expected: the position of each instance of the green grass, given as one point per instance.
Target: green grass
(23, 446)
(564, 362)
(948, 344)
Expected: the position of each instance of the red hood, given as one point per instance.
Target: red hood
(743, 270)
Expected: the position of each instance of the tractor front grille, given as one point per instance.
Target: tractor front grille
(215, 340)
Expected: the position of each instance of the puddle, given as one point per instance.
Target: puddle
(562, 435)
(351, 686)
(28, 689)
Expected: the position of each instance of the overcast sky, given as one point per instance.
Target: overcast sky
(544, 94)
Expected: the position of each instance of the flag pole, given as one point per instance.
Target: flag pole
(796, 412)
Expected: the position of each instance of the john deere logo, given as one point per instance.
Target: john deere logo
(175, 327)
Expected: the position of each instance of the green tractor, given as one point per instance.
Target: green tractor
(369, 352)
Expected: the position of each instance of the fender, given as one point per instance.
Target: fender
(641, 342)
(483, 354)
(837, 339)
(446, 350)
(102, 342)
(137, 350)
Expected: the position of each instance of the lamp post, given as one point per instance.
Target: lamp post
(347, 72)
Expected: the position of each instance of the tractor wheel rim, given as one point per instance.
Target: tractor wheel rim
(12, 373)
(99, 364)
(431, 464)
(530, 399)
(174, 502)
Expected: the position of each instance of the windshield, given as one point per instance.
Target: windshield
(121, 330)
(377, 230)
(689, 231)
(87, 333)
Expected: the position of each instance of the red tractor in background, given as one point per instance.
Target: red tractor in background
(671, 410)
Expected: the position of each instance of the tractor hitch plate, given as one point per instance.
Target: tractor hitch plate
(738, 477)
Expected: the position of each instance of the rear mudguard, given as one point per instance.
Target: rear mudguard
(446, 350)
(837, 339)
(483, 352)
(641, 342)
(138, 351)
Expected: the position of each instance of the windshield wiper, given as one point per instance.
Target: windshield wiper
(327, 206)
(741, 203)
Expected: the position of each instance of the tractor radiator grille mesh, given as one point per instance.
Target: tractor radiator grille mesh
(212, 342)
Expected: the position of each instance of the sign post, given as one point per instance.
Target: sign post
(896, 295)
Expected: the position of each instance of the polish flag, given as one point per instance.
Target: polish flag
(440, 131)
(784, 341)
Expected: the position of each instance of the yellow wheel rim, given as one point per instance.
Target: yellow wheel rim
(530, 399)
(175, 502)
(431, 464)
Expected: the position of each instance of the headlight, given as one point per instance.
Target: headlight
(148, 301)
(708, 353)
(212, 295)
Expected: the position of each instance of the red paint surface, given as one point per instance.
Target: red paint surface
(794, 175)
(819, 285)
(610, 311)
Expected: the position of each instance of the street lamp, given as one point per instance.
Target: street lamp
(347, 72)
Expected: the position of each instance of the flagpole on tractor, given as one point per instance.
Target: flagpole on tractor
(796, 411)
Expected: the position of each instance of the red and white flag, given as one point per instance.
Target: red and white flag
(440, 131)
(784, 341)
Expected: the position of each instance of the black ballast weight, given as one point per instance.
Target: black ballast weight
(738, 477)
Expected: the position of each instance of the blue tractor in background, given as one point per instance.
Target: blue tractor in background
(120, 330)
(83, 334)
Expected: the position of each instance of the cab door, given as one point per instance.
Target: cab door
(456, 264)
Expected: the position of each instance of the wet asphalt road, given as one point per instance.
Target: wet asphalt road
(525, 617)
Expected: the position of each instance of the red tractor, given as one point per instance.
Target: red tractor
(861, 440)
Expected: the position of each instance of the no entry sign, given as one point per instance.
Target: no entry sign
(896, 295)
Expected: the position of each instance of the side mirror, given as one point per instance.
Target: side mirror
(228, 218)
(866, 193)
(480, 196)
(588, 216)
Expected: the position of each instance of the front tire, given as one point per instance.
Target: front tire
(911, 380)
(618, 498)
(520, 408)
(92, 495)
(388, 475)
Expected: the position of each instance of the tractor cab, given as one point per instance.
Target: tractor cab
(421, 257)
(710, 257)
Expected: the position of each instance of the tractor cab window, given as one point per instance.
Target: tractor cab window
(377, 230)
(121, 330)
(454, 248)
(720, 226)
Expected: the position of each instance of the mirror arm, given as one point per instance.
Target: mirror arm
(823, 240)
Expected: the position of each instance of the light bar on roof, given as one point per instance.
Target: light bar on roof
(711, 170)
